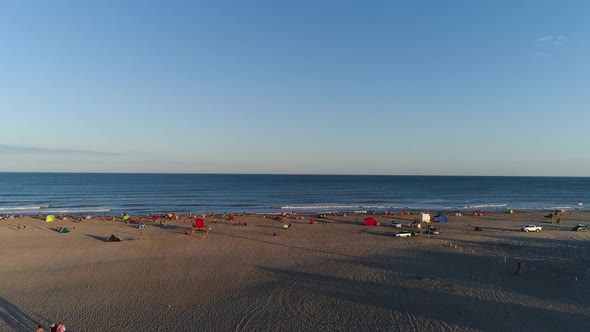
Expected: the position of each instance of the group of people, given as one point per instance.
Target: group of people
(59, 327)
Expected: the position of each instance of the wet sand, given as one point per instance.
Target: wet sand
(329, 276)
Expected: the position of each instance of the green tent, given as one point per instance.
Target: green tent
(63, 230)
(555, 219)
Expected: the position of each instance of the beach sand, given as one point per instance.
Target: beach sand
(329, 276)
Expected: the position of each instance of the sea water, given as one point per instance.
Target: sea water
(96, 194)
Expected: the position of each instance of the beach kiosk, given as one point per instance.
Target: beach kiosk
(425, 217)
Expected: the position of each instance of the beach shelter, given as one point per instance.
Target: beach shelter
(63, 230)
(199, 223)
(555, 219)
(50, 218)
(113, 238)
(440, 218)
(370, 221)
(425, 217)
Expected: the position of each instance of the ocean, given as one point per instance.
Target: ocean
(98, 193)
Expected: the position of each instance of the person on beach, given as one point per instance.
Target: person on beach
(61, 327)
(53, 327)
(40, 329)
(518, 267)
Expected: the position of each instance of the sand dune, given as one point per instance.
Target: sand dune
(330, 276)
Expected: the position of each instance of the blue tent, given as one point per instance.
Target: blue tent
(440, 218)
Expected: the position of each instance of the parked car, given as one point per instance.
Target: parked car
(580, 228)
(403, 234)
(432, 231)
(531, 228)
(395, 224)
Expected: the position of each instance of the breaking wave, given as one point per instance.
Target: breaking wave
(485, 206)
(331, 207)
(49, 210)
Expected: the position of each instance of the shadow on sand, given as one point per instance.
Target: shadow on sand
(16, 318)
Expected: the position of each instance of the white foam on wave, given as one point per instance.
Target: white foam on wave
(49, 210)
(559, 207)
(481, 206)
(78, 210)
(324, 207)
(20, 208)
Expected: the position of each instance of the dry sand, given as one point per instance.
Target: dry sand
(320, 277)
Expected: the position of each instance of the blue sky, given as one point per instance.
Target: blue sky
(336, 87)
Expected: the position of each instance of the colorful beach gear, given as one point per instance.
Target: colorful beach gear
(50, 218)
(370, 221)
(199, 223)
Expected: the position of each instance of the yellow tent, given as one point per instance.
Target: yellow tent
(50, 218)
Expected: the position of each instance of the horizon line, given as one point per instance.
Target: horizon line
(293, 174)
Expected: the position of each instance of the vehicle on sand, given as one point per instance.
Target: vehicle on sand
(403, 234)
(531, 228)
(580, 228)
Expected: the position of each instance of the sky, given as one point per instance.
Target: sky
(296, 87)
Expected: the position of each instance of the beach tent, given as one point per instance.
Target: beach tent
(425, 217)
(555, 219)
(370, 221)
(63, 230)
(50, 218)
(199, 223)
(440, 218)
(113, 238)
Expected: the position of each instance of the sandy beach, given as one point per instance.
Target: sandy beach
(329, 276)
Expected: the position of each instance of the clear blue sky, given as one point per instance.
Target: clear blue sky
(341, 87)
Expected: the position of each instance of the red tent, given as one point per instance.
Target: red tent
(199, 223)
(370, 221)
(231, 218)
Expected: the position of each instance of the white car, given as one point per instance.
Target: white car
(531, 228)
(395, 224)
(403, 234)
